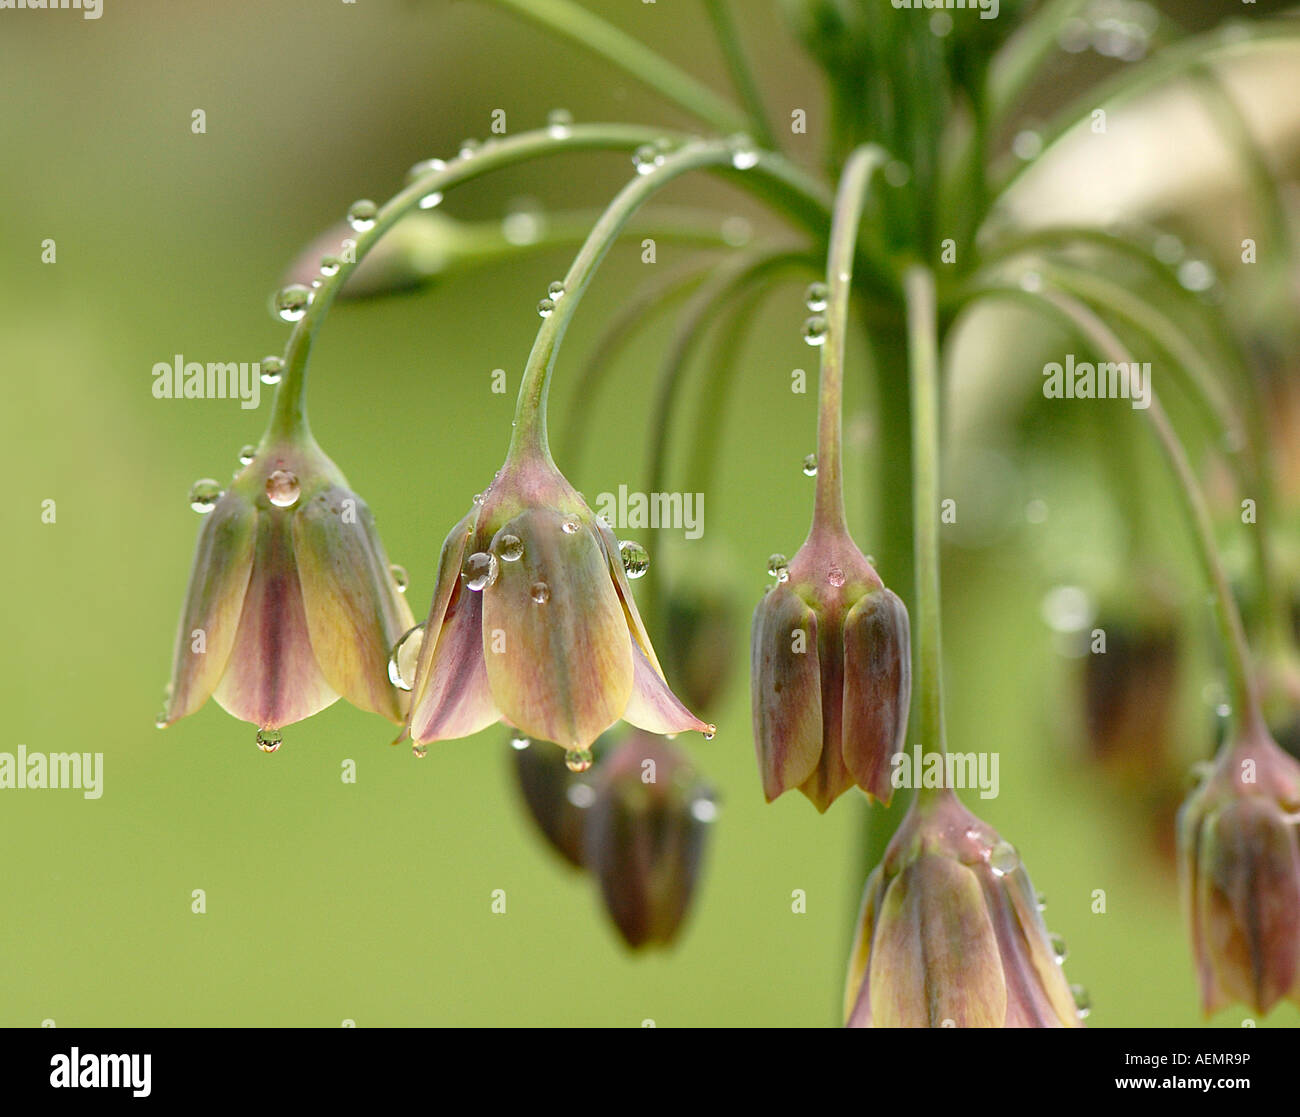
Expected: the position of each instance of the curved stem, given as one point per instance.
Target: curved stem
(1232, 636)
(594, 34)
(850, 200)
(742, 76)
(923, 369)
(530, 436)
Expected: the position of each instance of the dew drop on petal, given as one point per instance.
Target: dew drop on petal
(268, 740)
(362, 214)
(403, 658)
(519, 742)
(816, 297)
(282, 489)
(480, 571)
(545, 308)
(510, 548)
(271, 367)
(556, 291)
(400, 578)
(814, 330)
(1058, 947)
(636, 559)
(160, 720)
(810, 465)
(329, 265)
(569, 525)
(577, 760)
(204, 495)
(835, 576)
(1003, 858)
(291, 302)
(541, 593)
(247, 454)
(710, 731)
(419, 751)
(431, 200)
(778, 566)
(1082, 1002)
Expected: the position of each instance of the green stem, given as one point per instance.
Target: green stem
(530, 435)
(742, 76)
(1232, 636)
(594, 34)
(923, 366)
(850, 200)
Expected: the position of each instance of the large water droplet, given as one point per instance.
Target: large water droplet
(431, 200)
(282, 489)
(778, 566)
(545, 308)
(816, 297)
(204, 495)
(271, 368)
(814, 330)
(710, 731)
(645, 158)
(268, 740)
(362, 215)
(1003, 858)
(481, 570)
(810, 465)
(555, 291)
(540, 593)
(835, 576)
(577, 760)
(744, 156)
(291, 302)
(510, 548)
(558, 122)
(400, 578)
(403, 658)
(636, 559)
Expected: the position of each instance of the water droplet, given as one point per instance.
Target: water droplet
(1027, 145)
(1196, 275)
(329, 265)
(478, 498)
(519, 742)
(510, 548)
(581, 795)
(247, 453)
(636, 559)
(1082, 1002)
(704, 809)
(204, 495)
(431, 200)
(468, 148)
(271, 367)
(403, 658)
(558, 122)
(645, 158)
(1041, 901)
(419, 751)
(569, 525)
(556, 290)
(1058, 947)
(545, 307)
(835, 576)
(425, 167)
(268, 740)
(1003, 858)
(810, 465)
(362, 215)
(710, 731)
(160, 720)
(814, 330)
(778, 566)
(480, 570)
(541, 593)
(816, 297)
(291, 302)
(282, 489)
(577, 760)
(400, 578)
(744, 155)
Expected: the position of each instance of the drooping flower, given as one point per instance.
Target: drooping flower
(533, 622)
(1240, 870)
(950, 933)
(831, 674)
(292, 602)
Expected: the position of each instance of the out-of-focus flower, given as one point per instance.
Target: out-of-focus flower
(701, 622)
(292, 602)
(645, 836)
(1240, 874)
(950, 934)
(557, 798)
(533, 622)
(831, 674)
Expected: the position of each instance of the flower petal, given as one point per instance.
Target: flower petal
(272, 678)
(555, 637)
(609, 545)
(449, 567)
(877, 689)
(354, 613)
(223, 563)
(653, 706)
(455, 700)
(786, 686)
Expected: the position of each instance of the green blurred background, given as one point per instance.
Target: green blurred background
(372, 902)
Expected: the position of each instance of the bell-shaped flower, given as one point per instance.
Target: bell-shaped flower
(1240, 872)
(532, 622)
(831, 673)
(292, 602)
(950, 933)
